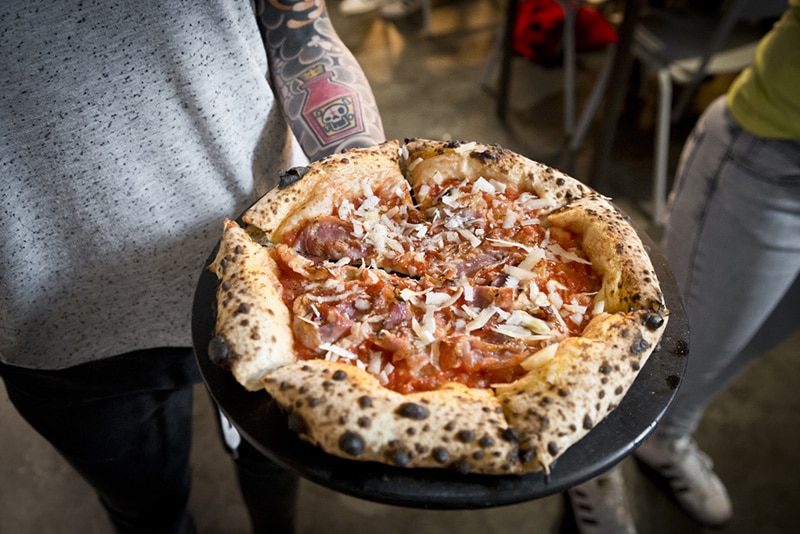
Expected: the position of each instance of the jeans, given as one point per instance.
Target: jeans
(733, 242)
(125, 425)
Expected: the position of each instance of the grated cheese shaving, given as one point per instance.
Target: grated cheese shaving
(540, 357)
(337, 351)
(482, 185)
(481, 319)
(469, 236)
(518, 273)
(466, 147)
(559, 251)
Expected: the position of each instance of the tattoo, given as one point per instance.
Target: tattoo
(325, 95)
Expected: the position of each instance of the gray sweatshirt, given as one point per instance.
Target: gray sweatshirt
(128, 131)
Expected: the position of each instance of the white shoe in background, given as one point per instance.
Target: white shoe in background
(689, 473)
(600, 505)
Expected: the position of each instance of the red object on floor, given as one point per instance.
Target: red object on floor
(539, 29)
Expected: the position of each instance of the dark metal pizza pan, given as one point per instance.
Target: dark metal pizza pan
(259, 421)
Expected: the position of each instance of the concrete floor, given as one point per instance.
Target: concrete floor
(431, 86)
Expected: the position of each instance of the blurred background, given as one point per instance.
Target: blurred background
(437, 74)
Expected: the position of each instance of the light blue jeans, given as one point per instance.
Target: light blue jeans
(733, 242)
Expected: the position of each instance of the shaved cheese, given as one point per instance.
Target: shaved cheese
(576, 318)
(330, 298)
(362, 304)
(449, 199)
(345, 208)
(466, 147)
(434, 356)
(540, 357)
(565, 255)
(535, 255)
(375, 362)
(499, 186)
(534, 324)
(469, 311)
(453, 223)
(481, 319)
(338, 351)
(469, 292)
(535, 203)
(412, 164)
(466, 234)
(509, 220)
(411, 295)
(423, 191)
(369, 204)
(482, 185)
(436, 299)
(599, 307)
(510, 244)
(516, 272)
(367, 190)
(426, 332)
(442, 300)
(554, 285)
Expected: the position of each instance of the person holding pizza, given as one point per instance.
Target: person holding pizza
(129, 130)
(731, 238)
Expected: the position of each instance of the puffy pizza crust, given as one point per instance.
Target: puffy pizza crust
(616, 252)
(429, 161)
(253, 333)
(557, 403)
(347, 413)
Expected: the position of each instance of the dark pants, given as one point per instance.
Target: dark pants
(125, 425)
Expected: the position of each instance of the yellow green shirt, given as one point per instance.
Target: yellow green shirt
(765, 97)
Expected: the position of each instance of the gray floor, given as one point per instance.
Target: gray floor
(432, 87)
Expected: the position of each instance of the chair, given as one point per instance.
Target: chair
(506, 52)
(683, 47)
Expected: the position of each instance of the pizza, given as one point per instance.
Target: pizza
(436, 304)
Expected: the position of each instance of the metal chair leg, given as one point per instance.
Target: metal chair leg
(661, 160)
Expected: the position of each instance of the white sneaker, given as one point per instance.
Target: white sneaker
(359, 7)
(396, 9)
(600, 505)
(689, 473)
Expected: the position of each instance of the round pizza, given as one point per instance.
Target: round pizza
(436, 304)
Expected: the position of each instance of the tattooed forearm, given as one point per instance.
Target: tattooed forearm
(325, 94)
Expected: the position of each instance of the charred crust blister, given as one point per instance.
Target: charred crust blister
(351, 443)
(412, 410)
(288, 177)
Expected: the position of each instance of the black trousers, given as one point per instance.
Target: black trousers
(125, 425)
